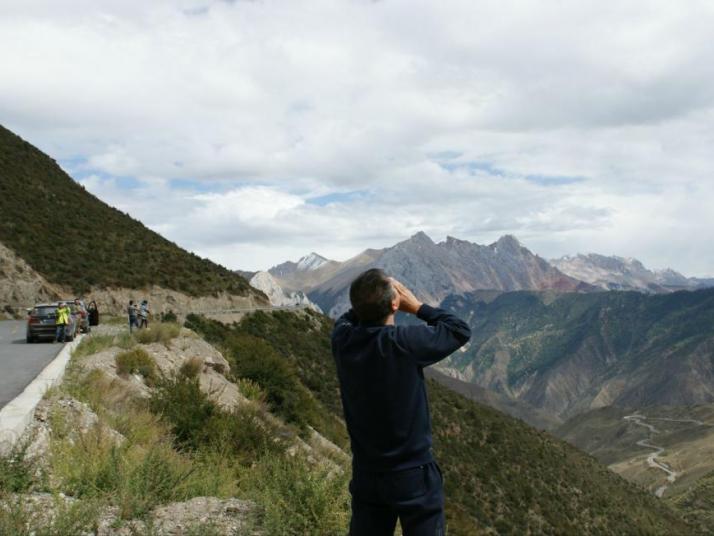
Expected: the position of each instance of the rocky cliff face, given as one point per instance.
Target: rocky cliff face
(266, 283)
(21, 286)
(619, 273)
(435, 270)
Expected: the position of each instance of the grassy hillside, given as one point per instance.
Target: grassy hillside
(562, 352)
(501, 475)
(697, 503)
(74, 239)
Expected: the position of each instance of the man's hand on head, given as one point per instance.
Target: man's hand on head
(408, 302)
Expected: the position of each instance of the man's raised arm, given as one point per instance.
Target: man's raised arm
(443, 334)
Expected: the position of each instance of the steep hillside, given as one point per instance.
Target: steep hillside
(568, 353)
(697, 504)
(520, 410)
(501, 475)
(73, 239)
(432, 270)
(618, 273)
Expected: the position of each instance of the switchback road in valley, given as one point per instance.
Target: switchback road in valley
(20, 363)
(652, 459)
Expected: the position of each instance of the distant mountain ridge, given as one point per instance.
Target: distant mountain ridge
(432, 270)
(567, 353)
(620, 273)
(310, 262)
(267, 284)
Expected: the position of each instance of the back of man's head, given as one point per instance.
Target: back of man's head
(371, 295)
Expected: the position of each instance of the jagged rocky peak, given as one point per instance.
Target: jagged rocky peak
(452, 241)
(418, 239)
(310, 262)
(507, 243)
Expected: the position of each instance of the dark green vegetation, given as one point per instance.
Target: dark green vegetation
(296, 372)
(74, 239)
(197, 422)
(500, 474)
(697, 503)
(137, 361)
(562, 351)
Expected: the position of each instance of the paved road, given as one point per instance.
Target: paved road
(20, 362)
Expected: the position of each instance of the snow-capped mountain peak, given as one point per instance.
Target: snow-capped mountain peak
(310, 262)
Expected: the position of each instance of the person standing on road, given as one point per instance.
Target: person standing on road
(132, 312)
(380, 369)
(81, 315)
(62, 319)
(144, 314)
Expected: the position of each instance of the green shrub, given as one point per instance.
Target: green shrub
(135, 478)
(169, 316)
(162, 332)
(20, 517)
(192, 367)
(245, 433)
(93, 344)
(251, 390)
(256, 360)
(137, 361)
(298, 499)
(187, 409)
(16, 474)
(125, 340)
(198, 424)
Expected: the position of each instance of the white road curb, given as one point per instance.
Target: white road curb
(18, 413)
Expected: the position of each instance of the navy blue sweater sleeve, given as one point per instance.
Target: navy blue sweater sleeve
(442, 335)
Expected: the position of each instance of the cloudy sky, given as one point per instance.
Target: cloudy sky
(253, 132)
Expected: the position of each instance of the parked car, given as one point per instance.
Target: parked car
(42, 323)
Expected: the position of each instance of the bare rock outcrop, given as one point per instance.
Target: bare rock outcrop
(21, 286)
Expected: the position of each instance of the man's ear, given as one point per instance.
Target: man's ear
(395, 303)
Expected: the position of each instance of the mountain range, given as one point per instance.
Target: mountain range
(432, 270)
(567, 353)
(619, 273)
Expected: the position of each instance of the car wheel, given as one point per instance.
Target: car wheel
(29, 340)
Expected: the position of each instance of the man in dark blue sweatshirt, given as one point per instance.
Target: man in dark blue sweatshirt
(380, 368)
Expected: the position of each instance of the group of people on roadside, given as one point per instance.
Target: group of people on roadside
(63, 317)
(138, 315)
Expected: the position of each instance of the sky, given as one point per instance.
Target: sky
(252, 132)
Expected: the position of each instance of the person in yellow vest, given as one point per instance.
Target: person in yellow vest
(62, 316)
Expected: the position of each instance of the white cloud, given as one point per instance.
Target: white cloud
(267, 104)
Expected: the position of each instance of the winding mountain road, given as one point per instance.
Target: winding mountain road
(20, 363)
(652, 459)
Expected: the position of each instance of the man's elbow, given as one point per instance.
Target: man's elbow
(463, 335)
